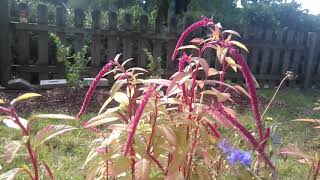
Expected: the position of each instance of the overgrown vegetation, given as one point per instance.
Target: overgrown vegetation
(75, 63)
(176, 128)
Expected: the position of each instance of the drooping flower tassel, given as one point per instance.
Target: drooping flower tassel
(92, 88)
(251, 89)
(203, 22)
(136, 119)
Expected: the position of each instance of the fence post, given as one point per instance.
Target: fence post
(112, 38)
(127, 40)
(96, 38)
(78, 23)
(143, 43)
(311, 50)
(172, 34)
(23, 42)
(5, 65)
(43, 49)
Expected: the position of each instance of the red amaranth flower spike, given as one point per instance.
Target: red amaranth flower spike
(182, 61)
(251, 89)
(203, 22)
(136, 119)
(92, 88)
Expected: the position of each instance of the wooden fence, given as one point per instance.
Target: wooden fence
(272, 52)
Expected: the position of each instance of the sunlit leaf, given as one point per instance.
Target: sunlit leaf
(231, 32)
(137, 69)
(104, 118)
(115, 88)
(178, 77)
(116, 59)
(308, 120)
(240, 45)
(188, 47)
(232, 63)
(212, 72)
(50, 132)
(24, 97)
(2, 101)
(9, 122)
(121, 98)
(52, 116)
(163, 82)
(142, 169)
(197, 41)
(204, 64)
(10, 150)
(220, 96)
(12, 174)
(126, 61)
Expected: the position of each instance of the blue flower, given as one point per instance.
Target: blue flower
(224, 146)
(234, 156)
(243, 157)
(246, 159)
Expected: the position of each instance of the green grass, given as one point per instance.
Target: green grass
(67, 153)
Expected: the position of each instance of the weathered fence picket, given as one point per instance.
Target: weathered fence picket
(271, 52)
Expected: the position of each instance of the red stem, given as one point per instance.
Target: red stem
(31, 152)
(251, 89)
(191, 153)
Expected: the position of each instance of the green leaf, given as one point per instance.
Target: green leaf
(240, 45)
(50, 132)
(11, 175)
(142, 169)
(10, 150)
(24, 97)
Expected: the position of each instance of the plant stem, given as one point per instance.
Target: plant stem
(191, 153)
(274, 95)
(31, 152)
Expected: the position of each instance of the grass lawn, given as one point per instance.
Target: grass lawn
(67, 153)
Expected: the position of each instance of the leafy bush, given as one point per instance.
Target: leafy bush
(167, 128)
(75, 63)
